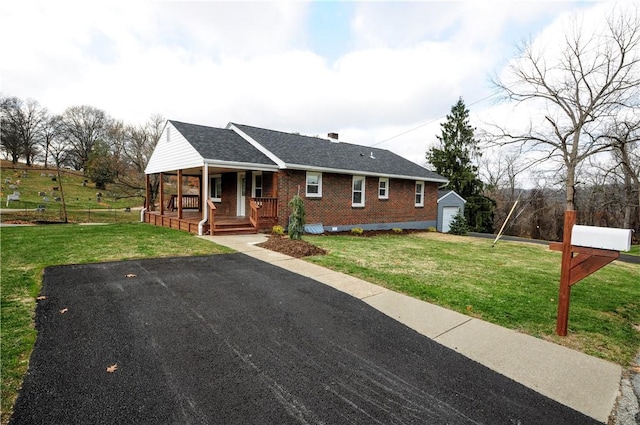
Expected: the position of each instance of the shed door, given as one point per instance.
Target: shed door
(447, 217)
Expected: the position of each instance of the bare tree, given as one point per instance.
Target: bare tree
(590, 80)
(137, 149)
(22, 123)
(625, 139)
(83, 126)
(10, 136)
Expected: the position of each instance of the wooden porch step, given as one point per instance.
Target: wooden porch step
(235, 231)
(234, 227)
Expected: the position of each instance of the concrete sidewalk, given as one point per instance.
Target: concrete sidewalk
(584, 383)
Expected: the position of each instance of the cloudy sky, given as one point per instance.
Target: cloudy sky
(378, 73)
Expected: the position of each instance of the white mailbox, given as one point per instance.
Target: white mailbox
(601, 237)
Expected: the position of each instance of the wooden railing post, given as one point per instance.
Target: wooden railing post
(263, 211)
(212, 214)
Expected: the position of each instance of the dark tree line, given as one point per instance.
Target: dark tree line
(607, 193)
(83, 138)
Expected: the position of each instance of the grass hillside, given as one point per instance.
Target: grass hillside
(40, 187)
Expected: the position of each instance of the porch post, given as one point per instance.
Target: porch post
(180, 194)
(161, 194)
(202, 196)
(275, 185)
(147, 203)
(204, 190)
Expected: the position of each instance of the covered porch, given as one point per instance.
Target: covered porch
(212, 200)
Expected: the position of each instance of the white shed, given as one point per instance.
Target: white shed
(449, 204)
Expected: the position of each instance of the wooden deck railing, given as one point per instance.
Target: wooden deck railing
(264, 212)
(188, 202)
(212, 215)
(171, 220)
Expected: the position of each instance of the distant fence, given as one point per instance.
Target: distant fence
(34, 212)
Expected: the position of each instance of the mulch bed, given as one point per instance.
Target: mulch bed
(291, 247)
(302, 248)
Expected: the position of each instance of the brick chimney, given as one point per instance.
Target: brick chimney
(333, 137)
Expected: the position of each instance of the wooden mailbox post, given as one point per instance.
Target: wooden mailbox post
(595, 248)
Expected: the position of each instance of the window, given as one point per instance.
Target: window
(357, 191)
(314, 185)
(383, 188)
(257, 185)
(419, 194)
(215, 188)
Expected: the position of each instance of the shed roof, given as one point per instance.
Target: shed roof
(444, 193)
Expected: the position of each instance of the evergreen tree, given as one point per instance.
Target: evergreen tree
(297, 218)
(459, 225)
(454, 159)
(101, 165)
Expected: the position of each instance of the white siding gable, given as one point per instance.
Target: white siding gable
(173, 152)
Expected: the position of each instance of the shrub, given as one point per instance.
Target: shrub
(431, 229)
(459, 225)
(277, 230)
(297, 217)
(357, 231)
(396, 230)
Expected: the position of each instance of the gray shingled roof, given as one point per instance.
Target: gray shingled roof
(442, 193)
(220, 144)
(321, 153)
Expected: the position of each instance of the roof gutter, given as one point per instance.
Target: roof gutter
(240, 165)
(362, 173)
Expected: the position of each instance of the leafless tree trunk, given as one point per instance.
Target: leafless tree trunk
(50, 132)
(60, 151)
(594, 77)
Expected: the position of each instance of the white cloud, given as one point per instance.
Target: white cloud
(212, 62)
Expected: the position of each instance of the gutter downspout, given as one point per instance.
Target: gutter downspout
(205, 194)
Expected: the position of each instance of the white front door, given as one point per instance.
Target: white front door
(242, 196)
(448, 213)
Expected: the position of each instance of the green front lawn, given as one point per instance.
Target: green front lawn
(26, 251)
(513, 285)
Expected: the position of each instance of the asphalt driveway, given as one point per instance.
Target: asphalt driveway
(228, 339)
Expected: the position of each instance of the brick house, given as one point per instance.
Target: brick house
(247, 176)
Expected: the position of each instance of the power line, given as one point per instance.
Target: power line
(427, 123)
